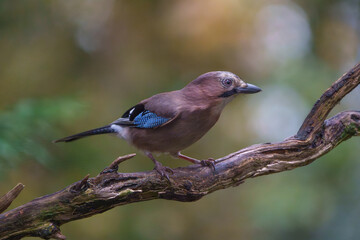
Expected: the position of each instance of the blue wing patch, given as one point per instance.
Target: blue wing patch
(147, 119)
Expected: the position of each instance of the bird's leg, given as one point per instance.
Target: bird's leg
(159, 167)
(208, 162)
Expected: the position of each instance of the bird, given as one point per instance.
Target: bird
(169, 122)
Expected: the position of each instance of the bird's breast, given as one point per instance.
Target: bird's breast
(182, 132)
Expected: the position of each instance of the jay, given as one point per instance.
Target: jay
(172, 121)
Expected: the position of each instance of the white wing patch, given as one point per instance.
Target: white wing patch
(131, 111)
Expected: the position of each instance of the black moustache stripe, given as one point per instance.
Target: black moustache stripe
(228, 93)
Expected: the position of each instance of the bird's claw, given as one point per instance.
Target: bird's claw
(162, 170)
(209, 162)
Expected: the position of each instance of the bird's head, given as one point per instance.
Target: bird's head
(220, 85)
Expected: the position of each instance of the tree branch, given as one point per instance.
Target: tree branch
(7, 199)
(43, 216)
(332, 96)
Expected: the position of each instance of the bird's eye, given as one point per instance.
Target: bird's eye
(227, 82)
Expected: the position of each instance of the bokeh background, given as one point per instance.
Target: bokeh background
(67, 66)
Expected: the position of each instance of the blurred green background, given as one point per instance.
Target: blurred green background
(68, 66)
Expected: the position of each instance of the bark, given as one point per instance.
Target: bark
(7, 199)
(42, 217)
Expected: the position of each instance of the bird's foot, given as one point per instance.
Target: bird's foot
(208, 162)
(162, 170)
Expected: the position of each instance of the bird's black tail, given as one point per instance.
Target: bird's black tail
(96, 131)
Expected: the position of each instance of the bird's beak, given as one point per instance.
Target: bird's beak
(248, 89)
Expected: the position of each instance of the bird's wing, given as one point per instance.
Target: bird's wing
(140, 117)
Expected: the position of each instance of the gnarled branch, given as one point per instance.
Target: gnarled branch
(7, 199)
(42, 217)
